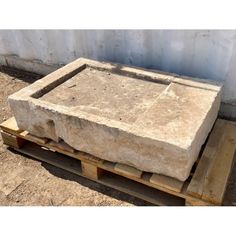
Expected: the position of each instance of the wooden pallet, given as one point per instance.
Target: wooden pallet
(205, 186)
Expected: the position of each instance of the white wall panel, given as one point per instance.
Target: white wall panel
(200, 53)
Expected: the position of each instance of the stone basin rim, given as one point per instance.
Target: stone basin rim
(27, 94)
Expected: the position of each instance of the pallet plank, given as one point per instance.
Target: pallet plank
(128, 170)
(10, 125)
(141, 191)
(109, 165)
(57, 159)
(217, 177)
(144, 179)
(12, 140)
(197, 202)
(216, 137)
(62, 145)
(26, 135)
(164, 181)
(87, 158)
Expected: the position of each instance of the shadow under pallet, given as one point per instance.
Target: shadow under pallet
(205, 186)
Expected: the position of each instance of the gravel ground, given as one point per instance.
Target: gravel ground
(27, 182)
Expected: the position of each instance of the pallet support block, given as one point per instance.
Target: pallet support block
(91, 171)
(12, 140)
(197, 203)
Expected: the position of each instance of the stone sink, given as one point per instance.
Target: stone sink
(151, 120)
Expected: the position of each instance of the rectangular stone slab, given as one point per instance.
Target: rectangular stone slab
(151, 120)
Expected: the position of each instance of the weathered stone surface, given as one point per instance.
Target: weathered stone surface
(154, 121)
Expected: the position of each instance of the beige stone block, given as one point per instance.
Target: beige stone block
(151, 120)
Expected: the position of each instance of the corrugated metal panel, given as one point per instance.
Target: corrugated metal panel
(205, 54)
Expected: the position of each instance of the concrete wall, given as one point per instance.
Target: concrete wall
(206, 54)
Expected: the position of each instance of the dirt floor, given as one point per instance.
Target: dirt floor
(24, 181)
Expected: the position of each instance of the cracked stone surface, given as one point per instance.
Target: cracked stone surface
(154, 121)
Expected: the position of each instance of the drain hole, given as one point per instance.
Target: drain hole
(51, 130)
(51, 123)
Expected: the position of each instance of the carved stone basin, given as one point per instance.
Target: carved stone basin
(154, 121)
